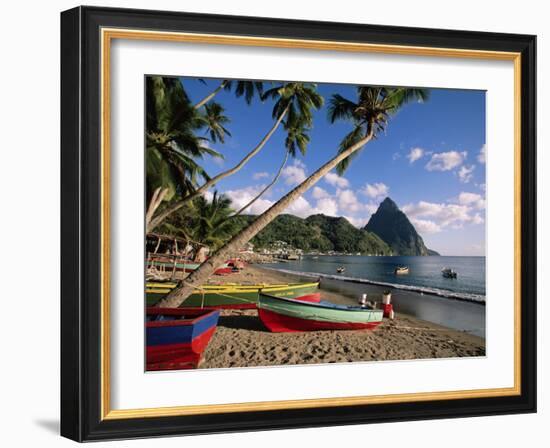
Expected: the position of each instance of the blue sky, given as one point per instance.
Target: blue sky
(430, 162)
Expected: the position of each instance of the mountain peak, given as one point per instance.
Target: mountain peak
(394, 228)
(389, 204)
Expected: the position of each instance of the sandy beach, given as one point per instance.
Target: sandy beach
(242, 341)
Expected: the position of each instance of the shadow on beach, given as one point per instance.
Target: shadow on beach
(242, 322)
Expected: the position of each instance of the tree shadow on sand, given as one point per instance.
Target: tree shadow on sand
(242, 323)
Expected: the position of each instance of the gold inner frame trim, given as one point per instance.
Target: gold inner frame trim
(107, 35)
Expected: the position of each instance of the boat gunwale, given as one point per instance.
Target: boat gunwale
(174, 312)
(318, 304)
(234, 289)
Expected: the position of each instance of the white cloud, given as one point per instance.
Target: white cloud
(482, 156)
(243, 196)
(415, 154)
(446, 161)
(430, 217)
(260, 175)
(396, 156)
(478, 219)
(375, 190)
(327, 206)
(347, 201)
(336, 181)
(295, 173)
(319, 193)
(208, 195)
(465, 173)
(371, 207)
(425, 226)
(473, 199)
(300, 207)
(358, 222)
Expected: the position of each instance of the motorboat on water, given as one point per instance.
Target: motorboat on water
(449, 273)
(399, 270)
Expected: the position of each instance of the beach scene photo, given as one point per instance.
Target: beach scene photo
(296, 223)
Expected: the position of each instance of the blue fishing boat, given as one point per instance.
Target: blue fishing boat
(177, 337)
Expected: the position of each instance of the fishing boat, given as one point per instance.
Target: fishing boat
(448, 273)
(292, 315)
(171, 263)
(176, 337)
(399, 270)
(341, 269)
(228, 296)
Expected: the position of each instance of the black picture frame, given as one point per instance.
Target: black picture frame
(81, 209)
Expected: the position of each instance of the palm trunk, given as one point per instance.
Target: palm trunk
(174, 207)
(210, 96)
(198, 277)
(154, 203)
(275, 179)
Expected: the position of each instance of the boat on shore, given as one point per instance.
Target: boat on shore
(401, 270)
(171, 264)
(177, 337)
(229, 296)
(292, 315)
(449, 273)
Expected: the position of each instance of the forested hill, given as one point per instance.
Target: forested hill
(317, 233)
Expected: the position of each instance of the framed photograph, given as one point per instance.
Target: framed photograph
(278, 224)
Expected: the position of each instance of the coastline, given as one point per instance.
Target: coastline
(465, 297)
(242, 341)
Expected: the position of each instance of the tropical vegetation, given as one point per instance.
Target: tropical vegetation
(368, 114)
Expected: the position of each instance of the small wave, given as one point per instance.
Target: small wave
(467, 297)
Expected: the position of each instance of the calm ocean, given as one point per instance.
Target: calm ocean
(424, 273)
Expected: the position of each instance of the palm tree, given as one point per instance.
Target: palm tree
(214, 121)
(297, 139)
(242, 88)
(172, 145)
(212, 224)
(295, 99)
(368, 115)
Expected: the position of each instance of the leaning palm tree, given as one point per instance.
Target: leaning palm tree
(297, 138)
(242, 88)
(368, 115)
(295, 99)
(172, 144)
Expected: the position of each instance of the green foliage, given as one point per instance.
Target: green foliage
(203, 221)
(173, 147)
(316, 233)
(369, 113)
(248, 89)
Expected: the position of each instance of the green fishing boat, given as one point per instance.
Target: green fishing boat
(280, 314)
(229, 296)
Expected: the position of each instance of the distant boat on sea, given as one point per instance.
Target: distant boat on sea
(340, 269)
(448, 273)
(399, 270)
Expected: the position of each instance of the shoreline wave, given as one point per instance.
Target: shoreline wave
(465, 297)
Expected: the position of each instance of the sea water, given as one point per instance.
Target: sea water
(424, 293)
(424, 273)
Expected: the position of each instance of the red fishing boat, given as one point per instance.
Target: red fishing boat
(292, 315)
(177, 337)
